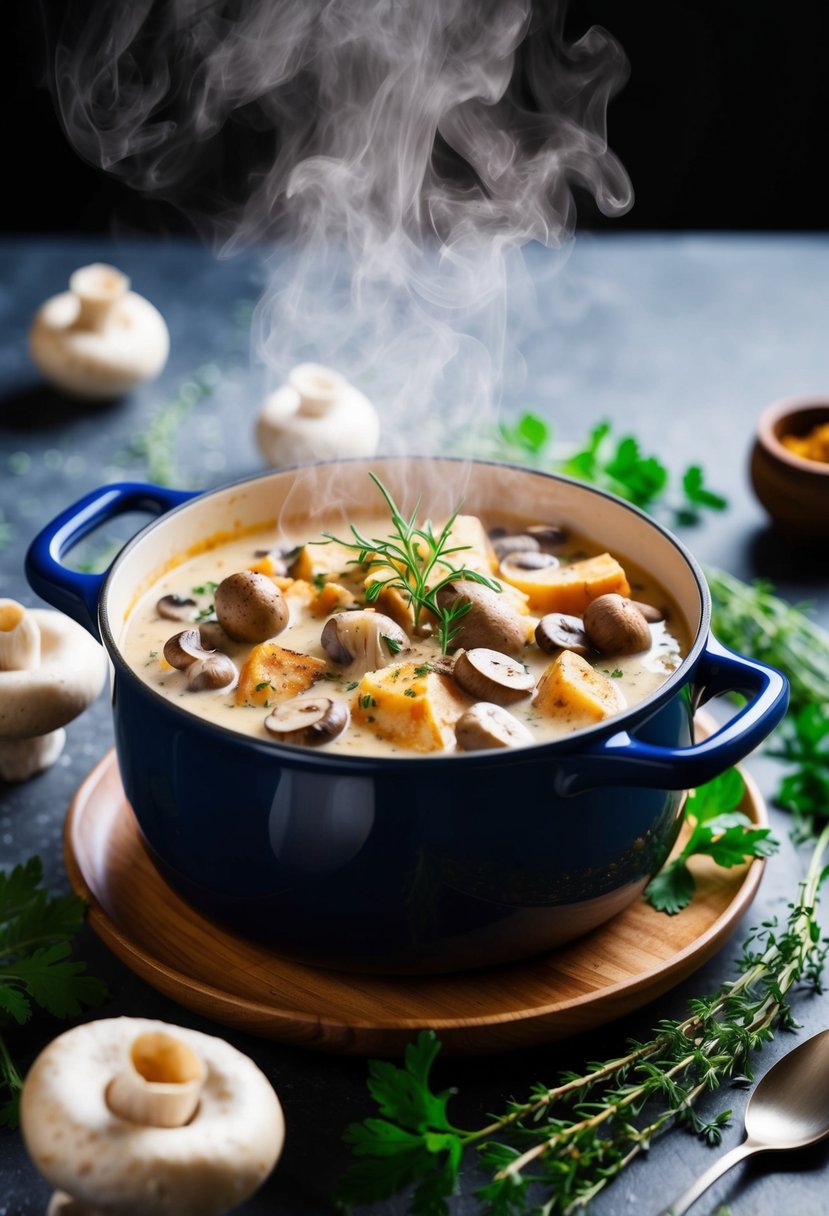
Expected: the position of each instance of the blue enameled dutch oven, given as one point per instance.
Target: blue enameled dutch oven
(426, 863)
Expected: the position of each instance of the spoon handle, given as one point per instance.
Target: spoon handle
(682, 1204)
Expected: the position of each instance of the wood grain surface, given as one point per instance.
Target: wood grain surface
(615, 969)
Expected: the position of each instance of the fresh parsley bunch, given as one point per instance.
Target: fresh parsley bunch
(615, 463)
(36, 970)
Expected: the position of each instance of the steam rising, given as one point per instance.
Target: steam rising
(402, 154)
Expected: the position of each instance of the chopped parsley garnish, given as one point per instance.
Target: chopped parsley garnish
(409, 692)
(367, 701)
(352, 685)
(394, 645)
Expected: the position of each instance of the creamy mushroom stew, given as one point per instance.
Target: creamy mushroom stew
(297, 643)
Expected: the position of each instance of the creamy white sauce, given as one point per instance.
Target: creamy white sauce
(145, 632)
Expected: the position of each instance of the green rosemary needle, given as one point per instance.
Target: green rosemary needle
(414, 556)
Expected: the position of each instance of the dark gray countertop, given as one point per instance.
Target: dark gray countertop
(681, 340)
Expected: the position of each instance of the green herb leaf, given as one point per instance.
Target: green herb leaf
(36, 929)
(413, 1142)
(556, 1151)
(718, 831)
(414, 556)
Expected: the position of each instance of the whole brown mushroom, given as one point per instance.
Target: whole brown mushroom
(250, 607)
(490, 620)
(616, 626)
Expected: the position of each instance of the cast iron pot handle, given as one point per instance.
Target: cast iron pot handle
(72, 591)
(623, 760)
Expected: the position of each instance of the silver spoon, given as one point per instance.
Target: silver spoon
(788, 1109)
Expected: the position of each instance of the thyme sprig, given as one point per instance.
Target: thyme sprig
(572, 1139)
(409, 561)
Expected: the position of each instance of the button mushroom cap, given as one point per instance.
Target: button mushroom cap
(118, 1165)
(98, 340)
(490, 621)
(615, 625)
(35, 702)
(317, 415)
(250, 607)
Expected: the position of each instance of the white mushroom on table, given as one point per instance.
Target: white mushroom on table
(99, 339)
(317, 415)
(51, 669)
(135, 1117)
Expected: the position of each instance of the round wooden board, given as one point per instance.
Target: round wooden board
(618, 967)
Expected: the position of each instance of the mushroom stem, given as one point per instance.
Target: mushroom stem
(20, 759)
(318, 388)
(19, 638)
(98, 289)
(160, 1084)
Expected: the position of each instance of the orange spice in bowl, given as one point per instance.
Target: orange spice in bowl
(790, 465)
(814, 445)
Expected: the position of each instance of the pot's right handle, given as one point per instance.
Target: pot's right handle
(623, 760)
(72, 591)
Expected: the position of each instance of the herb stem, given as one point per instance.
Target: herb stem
(718, 1065)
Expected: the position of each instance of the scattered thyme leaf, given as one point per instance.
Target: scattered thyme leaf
(560, 1148)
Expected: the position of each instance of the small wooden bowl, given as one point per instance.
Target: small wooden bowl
(794, 490)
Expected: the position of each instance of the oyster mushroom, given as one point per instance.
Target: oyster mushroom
(489, 620)
(362, 641)
(98, 340)
(250, 607)
(615, 625)
(317, 415)
(133, 1117)
(50, 671)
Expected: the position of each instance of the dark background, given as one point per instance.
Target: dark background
(722, 124)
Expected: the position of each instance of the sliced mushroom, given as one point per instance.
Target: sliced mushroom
(523, 543)
(616, 626)
(489, 621)
(558, 631)
(489, 675)
(363, 641)
(176, 608)
(184, 648)
(309, 721)
(250, 608)
(516, 564)
(215, 670)
(549, 536)
(489, 725)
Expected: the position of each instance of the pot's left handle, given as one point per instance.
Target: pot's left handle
(73, 591)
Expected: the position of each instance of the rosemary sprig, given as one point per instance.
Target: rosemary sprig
(616, 1108)
(413, 556)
